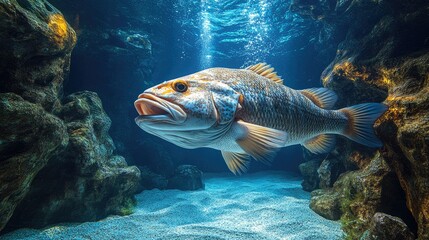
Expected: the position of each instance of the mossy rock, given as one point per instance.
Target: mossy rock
(357, 195)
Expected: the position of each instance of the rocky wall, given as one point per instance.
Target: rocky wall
(383, 56)
(84, 182)
(57, 160)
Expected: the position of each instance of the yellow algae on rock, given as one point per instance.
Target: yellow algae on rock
(395, 112)
(350, 71)
(386, 77)
(326, 79)
(58, 26)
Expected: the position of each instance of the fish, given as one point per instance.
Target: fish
(250, 114)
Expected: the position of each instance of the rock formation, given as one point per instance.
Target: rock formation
(150, 180)
(86, 180)
(308, 171)
(357, 195)
(186, 177)
(57, 161)
(34, 57)
(384, 226)
(29, 138)
(382, 56)
(115, 57)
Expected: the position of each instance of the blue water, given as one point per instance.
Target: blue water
(186, 37)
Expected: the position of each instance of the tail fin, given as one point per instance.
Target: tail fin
(361, 119)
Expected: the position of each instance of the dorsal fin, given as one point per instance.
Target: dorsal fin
(267, 71)
(322, 97)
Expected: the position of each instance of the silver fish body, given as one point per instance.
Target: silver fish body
(249, 112)
(274, 105)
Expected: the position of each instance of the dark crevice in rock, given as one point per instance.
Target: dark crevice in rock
(49, 7)
(25, 4)
(391, 189)
(9, 149)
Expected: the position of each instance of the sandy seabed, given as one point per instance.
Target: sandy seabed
(264, 205)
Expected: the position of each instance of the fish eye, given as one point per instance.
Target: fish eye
(180, 86)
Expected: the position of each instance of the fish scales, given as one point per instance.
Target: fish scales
(250, 113)
(277, 106)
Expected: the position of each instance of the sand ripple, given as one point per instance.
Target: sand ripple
(266, 205)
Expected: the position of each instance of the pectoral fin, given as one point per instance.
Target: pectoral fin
(238, 163)
(261, 142)
(320, 144)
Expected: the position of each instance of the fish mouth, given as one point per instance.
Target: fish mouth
(153, 108)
